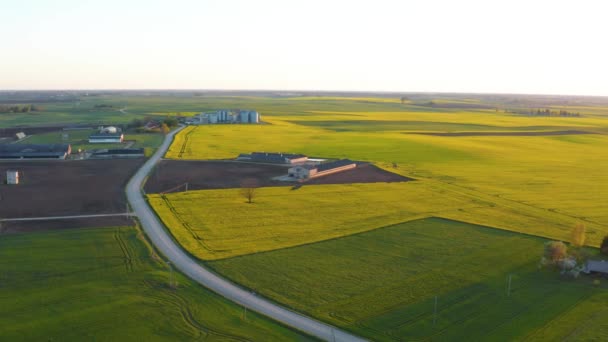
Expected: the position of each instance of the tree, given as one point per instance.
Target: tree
(578, 235)
(403, 99)
(164, 128)
(170, 121)
(248, 189)
(555, 251)
(604, 245)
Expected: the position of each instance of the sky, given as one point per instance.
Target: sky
(532, 46)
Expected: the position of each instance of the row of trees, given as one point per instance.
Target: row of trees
(544, 112)
(24, 108)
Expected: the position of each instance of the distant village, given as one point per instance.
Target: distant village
(225, 116)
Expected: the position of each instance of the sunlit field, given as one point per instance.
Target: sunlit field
(382, 285)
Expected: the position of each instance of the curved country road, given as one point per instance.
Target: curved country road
(163, 242)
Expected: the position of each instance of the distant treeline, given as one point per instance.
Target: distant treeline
(21, 108)
(544, 112)
(101, 106)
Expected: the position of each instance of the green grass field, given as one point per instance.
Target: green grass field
(105, 284)
(79, 139)
(382, 284)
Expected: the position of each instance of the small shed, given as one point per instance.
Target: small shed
(20, 136)
(596, 266)
(12, 177)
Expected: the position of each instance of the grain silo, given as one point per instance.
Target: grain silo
(254, 117)
(12, 177)
(244, 116)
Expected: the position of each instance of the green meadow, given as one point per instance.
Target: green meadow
(382, 284)
(106, 284)
(79, 139)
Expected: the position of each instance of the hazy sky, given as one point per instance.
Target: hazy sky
(533, 46)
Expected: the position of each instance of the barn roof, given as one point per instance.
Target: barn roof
(33, 150)
(134, 151)
(597, 266)
(105, 136)
(334, 164)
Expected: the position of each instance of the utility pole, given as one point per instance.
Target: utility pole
(186, 186)
(333, 335)
(435, 312)
(509, 285)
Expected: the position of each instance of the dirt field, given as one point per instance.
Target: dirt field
(505, 134)
(364, 173)
(57, 188)
(222, 175)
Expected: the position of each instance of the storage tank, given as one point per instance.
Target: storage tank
(109, 129)
(244, 116)
(254, 117)
(213, 118)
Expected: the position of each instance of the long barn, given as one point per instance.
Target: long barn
(302, 172)
(34, 151)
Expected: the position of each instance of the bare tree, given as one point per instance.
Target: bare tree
(249, 188)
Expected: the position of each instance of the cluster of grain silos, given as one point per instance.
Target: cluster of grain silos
(228, 116)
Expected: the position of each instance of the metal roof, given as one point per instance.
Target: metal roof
(106, 136)
(334, 164)
(597, 266)
(33, 150)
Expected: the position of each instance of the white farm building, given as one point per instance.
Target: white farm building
(12, 177)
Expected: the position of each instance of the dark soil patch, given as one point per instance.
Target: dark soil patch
(58, 188)
(363, 173)
(171, 175)
(504, 134)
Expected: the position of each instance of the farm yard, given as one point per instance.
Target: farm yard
(173, 174)
(108, 284)
(61, 188)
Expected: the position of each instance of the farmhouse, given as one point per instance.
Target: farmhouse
(273, 158)
(34, 151)
(313, 171)
(596, 266)
(106, 138)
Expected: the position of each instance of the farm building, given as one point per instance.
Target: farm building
(313, 171)
(106, 138)
(12, 177)
(119, 153)
(273, 158)
(596, 266)
(34, 151)
(20, 135)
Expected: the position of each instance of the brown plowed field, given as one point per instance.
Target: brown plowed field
(61, 188)
(171, 174)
